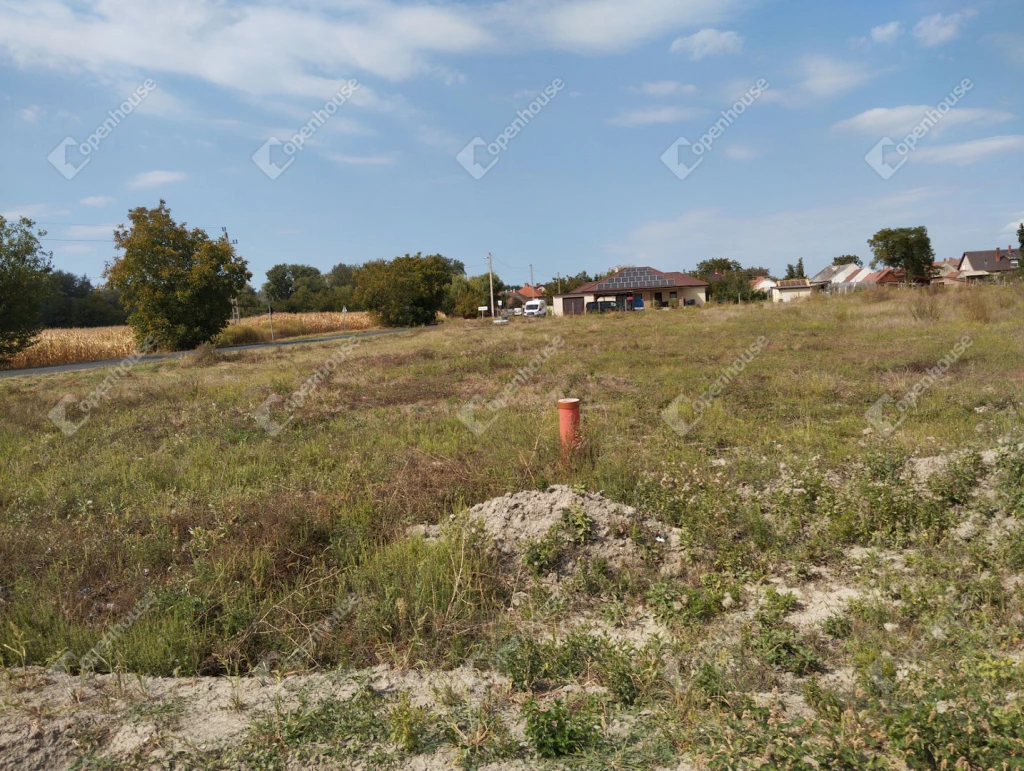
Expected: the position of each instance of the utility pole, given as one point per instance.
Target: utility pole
(490, 273)
(236, 315)
(559, 283)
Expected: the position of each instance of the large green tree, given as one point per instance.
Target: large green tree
(848, 259)
(406, 291)
(284, 280)
(906, 249)
(721, 265)
(796, 271)
(175, 283)
(24, 268)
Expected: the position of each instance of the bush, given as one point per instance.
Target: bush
(560, 730)
(24, 268)
(947, 725)
(176, 283)
(405, 292)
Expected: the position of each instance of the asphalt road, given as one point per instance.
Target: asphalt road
(56, 369)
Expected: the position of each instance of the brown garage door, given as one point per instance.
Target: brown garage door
(572, 306)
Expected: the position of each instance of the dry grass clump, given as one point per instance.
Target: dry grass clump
(71, 346)
(256, 329)
(925, 305)
(975, 305)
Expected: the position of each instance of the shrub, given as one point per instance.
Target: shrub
(562, 729)
(176, 283)
(578, 523)
(408, 725)
(24, 267)
(955, 483)
(520, 660)
(543, 555)
(951, 725)
(405, 292)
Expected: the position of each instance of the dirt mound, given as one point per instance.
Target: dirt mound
(606, 530)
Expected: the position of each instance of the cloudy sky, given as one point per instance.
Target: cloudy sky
(606, 170)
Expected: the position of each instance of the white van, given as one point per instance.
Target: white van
(535, 308)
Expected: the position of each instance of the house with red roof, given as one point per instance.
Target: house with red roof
(632, 288)
(524, 294)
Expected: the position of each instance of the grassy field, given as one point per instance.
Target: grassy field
(241, 535)
(71, 346)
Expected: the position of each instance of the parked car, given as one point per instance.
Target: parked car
(517, 311)
(535, 308)
(602, 306)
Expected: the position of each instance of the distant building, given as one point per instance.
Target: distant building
(985, 265)
(632, 288)
(524, 294)
(790, 289)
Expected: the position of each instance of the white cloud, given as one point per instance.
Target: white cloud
(740, 152)
(608, 25)
(648, 115)
(1012, 226)
(887, 33)
(32, 211)
(304, 48)
(966, 153)
(667, 88)
(893, 121)
(98, 201)
(155, 179)
(825, 230)
(362, 160)
(1011, 45)
(824, 76)
(30, 114)
(708, 42)
(91, 231)
(939, 28)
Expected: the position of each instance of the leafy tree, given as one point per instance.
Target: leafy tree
(176, 283)
(735, 286)
(72, 301)
(796, 271)
(848, 259)
(24, 268)
(406, 291)
(721, 265)
(284, 280)
(906, 249)
(464, 295)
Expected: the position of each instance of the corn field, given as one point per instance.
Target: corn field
(72, 346)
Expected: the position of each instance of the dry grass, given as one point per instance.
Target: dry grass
(72, 346)
(256, 329)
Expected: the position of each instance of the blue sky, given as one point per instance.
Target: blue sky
(580, 186)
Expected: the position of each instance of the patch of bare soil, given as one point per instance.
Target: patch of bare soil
(47, 719)
(518, 519)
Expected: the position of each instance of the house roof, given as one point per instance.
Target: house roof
(793, 283)
(992, 260)
(530, 291)
(759, 281)
(631, 279)
(825, 275)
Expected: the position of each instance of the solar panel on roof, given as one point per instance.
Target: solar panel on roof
(631, 278)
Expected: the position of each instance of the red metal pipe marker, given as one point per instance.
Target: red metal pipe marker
(568, 423)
